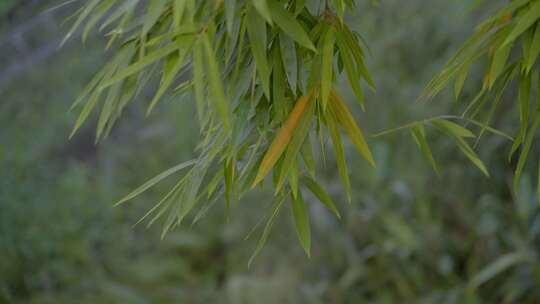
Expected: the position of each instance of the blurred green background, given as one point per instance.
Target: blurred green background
(409, 236)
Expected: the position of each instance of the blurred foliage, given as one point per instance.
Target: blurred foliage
(407, 237)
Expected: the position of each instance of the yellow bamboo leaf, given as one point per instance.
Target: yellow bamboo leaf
(282, 139)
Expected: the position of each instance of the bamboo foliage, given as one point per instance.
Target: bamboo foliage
(509, 41)
(262, 75)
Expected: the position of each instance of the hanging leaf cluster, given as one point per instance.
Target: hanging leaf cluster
(262, 75)
(509, 44)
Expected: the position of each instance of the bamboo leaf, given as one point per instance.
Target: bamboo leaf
(301, 223)
(345, 118)
(419, 135)
(524, 22)
(453, 128)
(282, 138)
(321, 194)
(215, 83)
(256, 29)
(326, 70)
(268, 228)
(339, 152)
(262, 8)
(289, 24)
(155, 180)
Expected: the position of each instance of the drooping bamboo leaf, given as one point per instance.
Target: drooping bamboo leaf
(345, 118)
(282, 138)
(215, 83)
(289, 24)
(321, 194)
(256, 29)
(278, 202)
(524, 22)
(339, 152)
(419, 134)
(301, 222)
(155, 180)
(326, 69)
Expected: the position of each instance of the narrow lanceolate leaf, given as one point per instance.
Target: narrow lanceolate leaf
(453, 128)
(471, 155)
(230, 6)
(172, 66)
(282, 139)
(262, 8)
(198, 80)
(319, 192)
(535, 48)
(290, 63)
(256, 29)
(525, 147)
(214, 82)
(155, 180)
(144, 62)
(346, 120)
(326, 69)
(288, 165)
(350, 69)
(419, 135)
(499, 62)
(82, 16)
(339, 152)
(289, 24)
(301, 222)
(527, 20)
(276, 207)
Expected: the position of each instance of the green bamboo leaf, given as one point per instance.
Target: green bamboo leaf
(326, 69)
(524, 22)
(350, 69)
(289, 24)
(214, 82)
(471, 155)
(460, 80)
(358, 54)
(256, 29)
(301, 223)
(85, 12)
(321, 194)
(262, 7)
(419, 136)
(230, 7)
(172, 66)
(179, 7)
(345, 118)
(198, 80)
(100, 11)
(453, 128)
(278, 202)
(307, 156)
(499, 62)
(144, 62)
(535, 48)
(155, 180)
(290, 62)
(339, 152)
(525, 147)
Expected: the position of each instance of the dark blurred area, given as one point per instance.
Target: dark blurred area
(409, 236)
